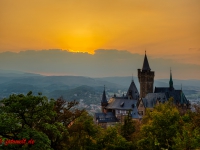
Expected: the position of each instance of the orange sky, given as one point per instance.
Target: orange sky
(166, 28)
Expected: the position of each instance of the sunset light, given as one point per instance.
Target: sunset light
(167, 29)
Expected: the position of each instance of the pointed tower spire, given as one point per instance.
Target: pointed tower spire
(146, 66)
(104, 99)
(171, 87)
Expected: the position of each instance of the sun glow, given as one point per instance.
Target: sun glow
(82, 40)
(166, 28)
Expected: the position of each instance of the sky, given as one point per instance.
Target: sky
(165, 29)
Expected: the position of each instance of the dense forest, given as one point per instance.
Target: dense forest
(36, 123)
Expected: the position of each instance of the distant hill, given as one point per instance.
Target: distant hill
(191, 88)
(89, 95)
(125, 81)
(15, 73)
(52, 86)
(79, 87)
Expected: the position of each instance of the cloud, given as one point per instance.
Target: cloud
(102, 63)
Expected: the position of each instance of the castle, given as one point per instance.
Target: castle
(117, 108)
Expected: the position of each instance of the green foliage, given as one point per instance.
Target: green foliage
(165, 128)
(21, 116)
(111, 139)
(83, 133)
(160, 127)
(35, 117)
(128, 127)
(58, 125)
(189, 135)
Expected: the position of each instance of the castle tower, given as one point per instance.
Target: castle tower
(146, 78)
(104, 101)
(171, 87)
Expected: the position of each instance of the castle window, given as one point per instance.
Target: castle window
(123, 111)
(141, 113)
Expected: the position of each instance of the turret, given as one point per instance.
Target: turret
(132, 92)
(104, 101)
(171, 87)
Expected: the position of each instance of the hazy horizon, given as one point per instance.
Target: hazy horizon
(103, 63)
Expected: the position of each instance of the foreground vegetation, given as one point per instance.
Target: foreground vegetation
(58, 125)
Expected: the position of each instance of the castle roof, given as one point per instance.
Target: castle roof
(178, 95)
(105, 117)
(162, 95)
(151, 98)
(124, 104)
(146, 66)
(161, 89)
(132, 91)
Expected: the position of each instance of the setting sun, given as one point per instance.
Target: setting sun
(168, 29)
(81, 40)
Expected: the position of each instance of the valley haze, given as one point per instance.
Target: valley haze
(15, 82)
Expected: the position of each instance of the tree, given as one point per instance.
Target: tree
(167, 128)
(160, 127)
(83, 133)
(189, 136)
(128, 128)
(20, 118)
(58, 127)
(35, 117)
(111, 139)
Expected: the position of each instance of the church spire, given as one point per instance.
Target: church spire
(146, 64)
(171, 81)
(104, 99)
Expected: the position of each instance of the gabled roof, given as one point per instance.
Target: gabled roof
(133, 91)
(178, 96)
(146, 66)
(151, 99)
(105, 117)
(123, 104)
